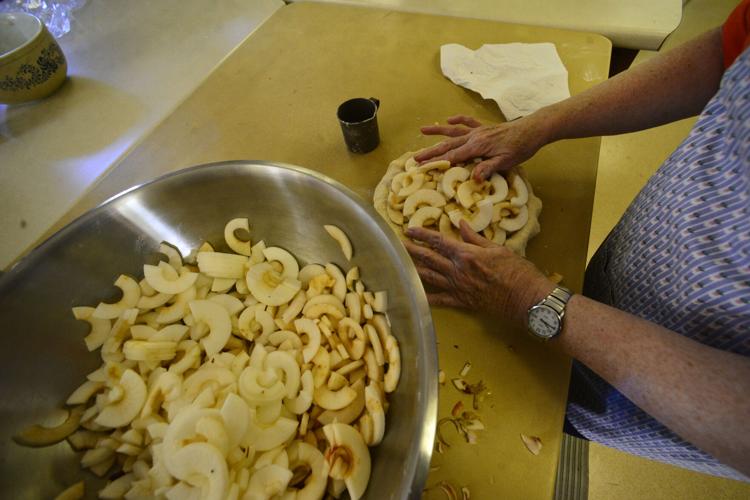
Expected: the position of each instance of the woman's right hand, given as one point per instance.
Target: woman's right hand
(501, 146)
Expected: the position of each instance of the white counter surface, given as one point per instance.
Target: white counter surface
(129, 65)
(636, 24)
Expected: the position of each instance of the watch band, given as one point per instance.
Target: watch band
(558, 299)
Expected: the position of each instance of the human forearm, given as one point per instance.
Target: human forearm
(700, 393)
(668, 87)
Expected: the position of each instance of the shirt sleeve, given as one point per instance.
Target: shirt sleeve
(736, 33)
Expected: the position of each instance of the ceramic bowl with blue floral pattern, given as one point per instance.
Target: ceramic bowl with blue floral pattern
(32, 64)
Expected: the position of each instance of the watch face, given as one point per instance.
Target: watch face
(544, 321)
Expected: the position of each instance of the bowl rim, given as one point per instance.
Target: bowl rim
(13, 54)
(423, 445)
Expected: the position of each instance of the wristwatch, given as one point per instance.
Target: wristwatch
(545, 318)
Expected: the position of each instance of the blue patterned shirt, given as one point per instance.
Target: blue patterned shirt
(680, 257)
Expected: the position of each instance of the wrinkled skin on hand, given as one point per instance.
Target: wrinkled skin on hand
(503, 146)
(476, 274)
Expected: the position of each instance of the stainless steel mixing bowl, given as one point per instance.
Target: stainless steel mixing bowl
(42, 355)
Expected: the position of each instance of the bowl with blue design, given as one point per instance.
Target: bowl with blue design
(32, 64)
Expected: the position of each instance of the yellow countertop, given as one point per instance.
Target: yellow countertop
(275, 98)
(634, 24)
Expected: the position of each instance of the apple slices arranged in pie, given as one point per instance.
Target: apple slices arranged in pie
(438, 195)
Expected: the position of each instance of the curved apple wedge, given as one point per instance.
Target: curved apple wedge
(131, 292)
(75, 492)
(236, 414)
(100, 327)
(337, 234)
(219, 324)
(375, 409)
(129, 406)
(348, 457)
(36, 435)
(222, 265)
(270, 287)
(288, 262)
(511, 224)
(263, 437)
(267, 483)
(156, 277)
(334, 400)
(304, 454)
(242, 247)
(202, 464)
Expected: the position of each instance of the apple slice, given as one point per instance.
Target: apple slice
(156, 278)
(266, 437)
(74, 492)
(267, 483)
(36, 435)
(129, 406)
(340, 236)
(131, 292)
(348, 457)
(237, 245)
(304, 454)
(222, 265)
(100, 327)
(269, 287)
(202, 464)
(218, 321)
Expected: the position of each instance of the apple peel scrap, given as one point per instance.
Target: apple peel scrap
(532, 443)
(239, 375)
